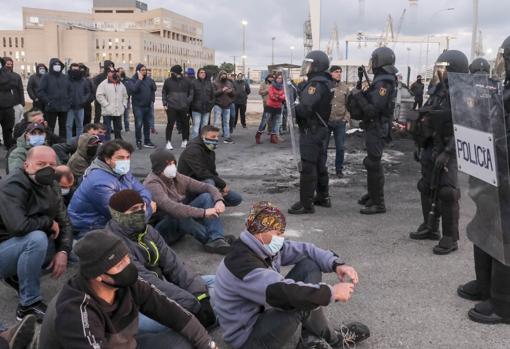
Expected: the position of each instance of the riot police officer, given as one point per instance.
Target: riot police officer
(377, 104)
(440, 174)
(492, 284)
(312, 114)
(480, 66)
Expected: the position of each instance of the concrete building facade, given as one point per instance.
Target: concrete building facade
(123, 31)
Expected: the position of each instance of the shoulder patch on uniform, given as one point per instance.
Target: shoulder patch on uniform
(383, 91)
(312, 90)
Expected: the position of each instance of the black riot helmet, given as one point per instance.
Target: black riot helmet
(502, 65)
(383, 58)
(451, 61)
(315, 62)
(480, 66)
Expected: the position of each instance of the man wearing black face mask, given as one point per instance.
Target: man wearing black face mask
(80, 95)
(100, 306)
(34, 228)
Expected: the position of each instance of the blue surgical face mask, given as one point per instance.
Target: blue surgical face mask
(275, 245)
(35, 140)
(122, 167)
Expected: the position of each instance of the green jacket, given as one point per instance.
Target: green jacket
(18, 155)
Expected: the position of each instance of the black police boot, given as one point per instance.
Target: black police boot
(373, 209)
(299, 208)
(364, 200)
(470, 291)
(321, 200)
(424, 233)
(484, 313)
(445, 246)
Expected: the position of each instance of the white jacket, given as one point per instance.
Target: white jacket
(112, 97)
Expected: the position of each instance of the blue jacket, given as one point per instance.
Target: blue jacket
(249, 279)
(143, 92)
(88, 209)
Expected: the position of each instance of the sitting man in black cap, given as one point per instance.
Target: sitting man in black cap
(100, 306)
(156, 262)
(185, 205)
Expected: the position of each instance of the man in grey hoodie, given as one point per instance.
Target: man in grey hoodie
(258, 307)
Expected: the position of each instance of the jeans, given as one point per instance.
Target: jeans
(7, 123)
(338, 130)
(231, 199)
(117, 126)
(275, 328)
(232, 119)
(148, 325)
(161, 340)
(264, 121)
(142, 119)
(276, 122)
(224, 115)
(25, 256)
(204, 230)
(126, 115)
(180, 116)
(74, 116)
(199, 121)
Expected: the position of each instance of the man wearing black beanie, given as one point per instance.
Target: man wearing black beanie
(99, 307)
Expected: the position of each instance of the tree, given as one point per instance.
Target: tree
(228, 67)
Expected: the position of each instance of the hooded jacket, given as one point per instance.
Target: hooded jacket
(80, 92)
(88, 209)
(249, 278)
(26, 206)
(113, 98)
(221, 98)
(169, 194)
(9, 93)
(142, 91)
(242, 90)
(80, 161)
(264, 91)
(203, 96)
(177, 93)
(77, 318)
(18, 155)
(176, 281)
(198, 162)
(54, 89)
(33, 84)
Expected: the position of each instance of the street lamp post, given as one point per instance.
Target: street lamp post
(272, 50)
(291, 52)
(244, 23)
(428, 39)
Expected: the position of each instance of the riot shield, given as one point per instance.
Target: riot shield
(482, 153)
(291, 98)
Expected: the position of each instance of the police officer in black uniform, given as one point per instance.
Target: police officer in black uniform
(492, 284)
(377, 104)
(439, 163)
(312, 114)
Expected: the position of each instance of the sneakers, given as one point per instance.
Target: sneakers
(149, 144)
(298, 208)
(21, 335)
(37, 309)
(219, 246)
(184, 144)
(351, 334)
(169, 145)
(228, 141)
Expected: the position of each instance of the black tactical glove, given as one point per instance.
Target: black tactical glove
(206, 314)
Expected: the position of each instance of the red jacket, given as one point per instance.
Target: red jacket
(276, 97)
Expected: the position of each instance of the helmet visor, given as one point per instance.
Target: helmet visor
(370, 69)
(306, 67)
(500, 66)
(439, 72)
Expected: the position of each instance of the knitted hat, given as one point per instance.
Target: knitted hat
(159, 159)
(264, 217)
(177, 69)
(99, 251)
(125, 199)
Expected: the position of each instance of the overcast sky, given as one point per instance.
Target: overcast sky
(284, 19)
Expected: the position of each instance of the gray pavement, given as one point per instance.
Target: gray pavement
(406, 295)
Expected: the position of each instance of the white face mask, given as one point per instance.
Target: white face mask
(65, 191)
(170, 171)
(57, 68)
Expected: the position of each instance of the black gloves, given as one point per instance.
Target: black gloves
(206, 314)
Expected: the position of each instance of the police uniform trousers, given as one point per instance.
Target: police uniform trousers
(424, 184)
(493, 278)
(376, 133)
(314, 172)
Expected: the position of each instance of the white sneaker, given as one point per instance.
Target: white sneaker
(169, 145)
(184, 144)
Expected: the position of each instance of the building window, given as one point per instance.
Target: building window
(16, 42)
(97, 44)
(10, 42)
(5, 43)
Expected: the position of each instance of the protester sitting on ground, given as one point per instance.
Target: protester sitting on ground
(156, 262)
(85, 153)
(35, 134)
(102, 305)
(37, 116)
(35, 231)
(113, 97)
(66, 150)
(20, 336)
(198, 161)
(108, 174)
(223, 98)
(185, 205)
(66, 181)
(258, 307)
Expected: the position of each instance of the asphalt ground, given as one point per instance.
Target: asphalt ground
(406, 295)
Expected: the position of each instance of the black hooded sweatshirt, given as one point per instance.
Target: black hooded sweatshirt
(54, 89)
